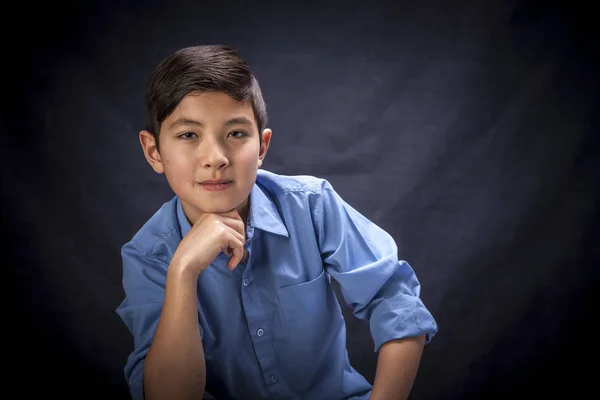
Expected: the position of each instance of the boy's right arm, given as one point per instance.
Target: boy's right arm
(174, 367)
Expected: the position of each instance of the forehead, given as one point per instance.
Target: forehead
(211, 108)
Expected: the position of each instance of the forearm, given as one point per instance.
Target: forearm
(397, 367)
(175, 367)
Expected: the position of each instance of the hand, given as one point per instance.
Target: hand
(211, 234)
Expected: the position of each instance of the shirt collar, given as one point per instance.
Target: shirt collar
(263, 215)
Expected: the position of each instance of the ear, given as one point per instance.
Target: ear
(266, 140)
(151, 151)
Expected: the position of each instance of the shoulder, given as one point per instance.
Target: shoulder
(159, 233)
(278, 185)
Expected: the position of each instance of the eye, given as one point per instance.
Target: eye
(238, 134)
(187, 135)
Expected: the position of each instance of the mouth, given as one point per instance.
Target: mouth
(215, 185)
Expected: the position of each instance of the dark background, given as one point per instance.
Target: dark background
(467, 129)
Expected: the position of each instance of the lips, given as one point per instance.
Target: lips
(215, 185)
(215, 182)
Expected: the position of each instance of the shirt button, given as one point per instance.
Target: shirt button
(260, 332)
(246, 282)
(273, 378)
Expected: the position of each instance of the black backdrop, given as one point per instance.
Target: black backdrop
(467, 129)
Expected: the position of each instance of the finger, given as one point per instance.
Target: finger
(238, 235)
(235, 224)
(229, 251)
(238, 254)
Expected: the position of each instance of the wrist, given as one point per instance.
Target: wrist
(181, 270)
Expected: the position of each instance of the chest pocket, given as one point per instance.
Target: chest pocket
(310, 311)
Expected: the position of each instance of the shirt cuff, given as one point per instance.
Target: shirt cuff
(401, 317)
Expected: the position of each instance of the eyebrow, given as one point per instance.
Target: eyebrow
(241, 120)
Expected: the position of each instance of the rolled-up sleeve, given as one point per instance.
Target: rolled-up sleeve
(363, 259)
(144, 284)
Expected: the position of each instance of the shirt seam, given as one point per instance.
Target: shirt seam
(149, 252)
(313, 189)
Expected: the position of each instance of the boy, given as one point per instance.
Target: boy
(228, 286)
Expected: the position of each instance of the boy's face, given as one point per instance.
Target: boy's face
(209, 137)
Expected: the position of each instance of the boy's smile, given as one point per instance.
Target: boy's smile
(210, 151)
(215, 185)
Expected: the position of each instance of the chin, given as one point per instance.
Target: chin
(219, 206)
(216, 210)
(213, 208)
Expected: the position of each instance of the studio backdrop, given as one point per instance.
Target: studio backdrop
(466, 129)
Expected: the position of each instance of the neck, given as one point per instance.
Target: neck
(244, 209)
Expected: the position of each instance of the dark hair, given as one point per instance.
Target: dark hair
(198, 69)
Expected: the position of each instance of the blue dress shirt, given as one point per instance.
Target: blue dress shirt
(272, 328)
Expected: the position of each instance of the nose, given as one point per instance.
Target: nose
(212, 155)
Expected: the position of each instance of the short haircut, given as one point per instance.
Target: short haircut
(200, 69)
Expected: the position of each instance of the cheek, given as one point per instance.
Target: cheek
(179, 164)
(248, 157)
(247, 164)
